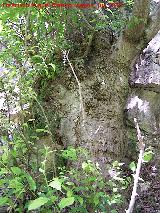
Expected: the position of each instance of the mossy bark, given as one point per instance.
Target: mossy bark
(104, 85)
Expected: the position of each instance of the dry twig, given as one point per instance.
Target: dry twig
(136, 176)
(79, 87)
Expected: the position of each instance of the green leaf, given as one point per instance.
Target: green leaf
(70, 183)
(4, 157)
(148, 156)
(40, 130)
(25, 125)
(4, 171)
(56, 184)
(3, 201)
(70, 154)
(53, 199)
(31, 182)
(96, 200)
(88, 167)
(37, 58)
(79, 199)
(2, 182)
(16, 170)
(16, 184)
(66, 202)
(132, 166)
(37, 203)
(69, 193)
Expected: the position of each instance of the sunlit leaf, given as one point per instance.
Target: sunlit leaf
(37, 203)
(148, 156)
(132, 166)
(56, 184)
(66, 202)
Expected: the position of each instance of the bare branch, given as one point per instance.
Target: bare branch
(136, 176)
(79, 87)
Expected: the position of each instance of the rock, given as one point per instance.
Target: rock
(146, 71)
(142, 105)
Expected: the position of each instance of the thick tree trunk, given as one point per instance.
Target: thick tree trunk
(104, 86)
(99, 124)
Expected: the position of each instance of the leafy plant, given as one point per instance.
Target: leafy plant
(73, 190)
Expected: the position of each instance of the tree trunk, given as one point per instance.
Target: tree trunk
(96, 121)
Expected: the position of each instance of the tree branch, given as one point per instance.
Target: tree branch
(131, 42)
(137, 23)
(154, 25)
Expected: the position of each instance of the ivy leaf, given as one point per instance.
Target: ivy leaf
(132, 166)
(56, 184)
(66, 202)
(37, 203)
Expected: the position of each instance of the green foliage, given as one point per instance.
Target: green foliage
(72, 190)
(148, 154)
(66, 202)
(69, 154)
(56, 184)
(132, 166)
(37, 203)
(33, 40)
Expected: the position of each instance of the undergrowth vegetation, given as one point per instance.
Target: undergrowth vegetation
(26, 185)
